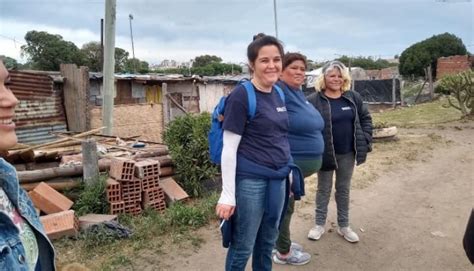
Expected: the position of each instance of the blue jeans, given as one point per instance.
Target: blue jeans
(344, 172)
(252, 232)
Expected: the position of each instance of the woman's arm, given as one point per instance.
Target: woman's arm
(226, 203)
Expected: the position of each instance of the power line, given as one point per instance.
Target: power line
(13, 39)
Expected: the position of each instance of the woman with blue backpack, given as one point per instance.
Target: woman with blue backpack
(306, 146)
(23, 243)
(255, 160)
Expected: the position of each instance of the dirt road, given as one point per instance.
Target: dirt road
(410, 215)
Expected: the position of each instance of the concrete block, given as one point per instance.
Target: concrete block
(114, 190)
(49, 200)
(153, 194)
(88, 220)
(133, 209)
(116, 208)
(173, 191)
(60, 224)
(158, 205)
(147, 168)
(121, 169)
(150, 182)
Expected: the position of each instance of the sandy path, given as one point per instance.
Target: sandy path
(413, 218)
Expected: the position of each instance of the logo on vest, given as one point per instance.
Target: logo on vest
(346, 108)
(281, 109)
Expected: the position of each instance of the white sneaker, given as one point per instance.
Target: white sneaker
(316, 232)
(348, 234)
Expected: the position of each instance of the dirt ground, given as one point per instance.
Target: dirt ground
(409, 204)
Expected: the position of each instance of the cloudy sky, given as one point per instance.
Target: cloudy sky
(183, 29)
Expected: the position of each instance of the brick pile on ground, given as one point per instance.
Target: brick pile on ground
(134, 186)
(59, 219)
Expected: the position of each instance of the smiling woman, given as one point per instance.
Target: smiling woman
(7, 110)
(23, 243)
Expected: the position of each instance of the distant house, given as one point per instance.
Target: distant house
(453, 65)
(382, 74)
(144, 104)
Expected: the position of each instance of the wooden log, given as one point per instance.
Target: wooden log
(50, 173)
(164, 160)
(72, 171)
(151, 153)
(59, 184)
(90, 162)
(35, 166)
(166, 171)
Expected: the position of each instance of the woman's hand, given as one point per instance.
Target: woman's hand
(224, 211)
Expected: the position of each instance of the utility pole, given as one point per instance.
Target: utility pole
(109, 64)
(276, 19)
(102, 43)
(130, 17)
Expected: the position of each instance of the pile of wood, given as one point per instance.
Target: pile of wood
(58, 163)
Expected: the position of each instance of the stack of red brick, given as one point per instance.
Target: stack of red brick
(59, 219)
(134, 186)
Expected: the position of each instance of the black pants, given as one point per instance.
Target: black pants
(468, 241)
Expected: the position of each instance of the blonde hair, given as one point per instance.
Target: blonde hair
(346, 76)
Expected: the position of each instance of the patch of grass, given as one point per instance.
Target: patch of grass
(435, 112)
(152, 231)
(92, 198)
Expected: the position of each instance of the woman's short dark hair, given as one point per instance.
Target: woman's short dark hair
(289, 58)
(260, 40)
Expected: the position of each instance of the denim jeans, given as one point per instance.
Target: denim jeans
(283, 243)
(344, 172)
(252, 232)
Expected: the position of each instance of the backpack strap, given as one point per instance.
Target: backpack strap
(280, 92)
(252, 98)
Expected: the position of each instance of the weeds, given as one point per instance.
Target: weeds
(151, 231)
(92, 198)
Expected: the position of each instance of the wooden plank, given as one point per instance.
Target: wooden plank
(76, 94)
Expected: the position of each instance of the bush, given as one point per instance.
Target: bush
(461, 87)
(92, 198)
(186, 137)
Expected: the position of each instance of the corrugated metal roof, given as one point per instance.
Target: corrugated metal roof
(40, 109)
(146, 77)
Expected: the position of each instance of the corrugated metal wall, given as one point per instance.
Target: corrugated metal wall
(40, 109)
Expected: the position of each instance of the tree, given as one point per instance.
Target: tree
(461, 86)
(47, 51)
(422, 54)
(121, 57)
(92, 57)
(366, 63)
(204, 60)
(10, 63)
(134, 65)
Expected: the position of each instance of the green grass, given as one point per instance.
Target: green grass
(151, 231)
(435, 112)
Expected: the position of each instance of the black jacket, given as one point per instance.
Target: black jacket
(362, 127)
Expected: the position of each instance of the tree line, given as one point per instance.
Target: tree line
(45, 51)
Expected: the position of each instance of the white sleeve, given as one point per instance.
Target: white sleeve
(228, 166)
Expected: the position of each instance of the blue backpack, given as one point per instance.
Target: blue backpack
(216, 133)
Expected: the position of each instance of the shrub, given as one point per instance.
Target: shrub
(186, 137)
(92, 198)
(461, 87)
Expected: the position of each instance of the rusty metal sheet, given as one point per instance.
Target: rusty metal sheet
(40, 109)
